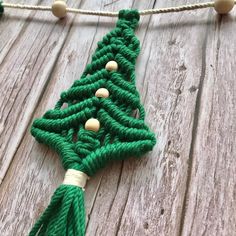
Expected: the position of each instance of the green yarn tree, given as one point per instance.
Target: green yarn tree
(120, 135)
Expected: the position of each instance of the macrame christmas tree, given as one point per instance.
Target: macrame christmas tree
(96, 126)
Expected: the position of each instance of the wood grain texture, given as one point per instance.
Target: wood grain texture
(185, 75)
(28, 54)
(211, 196)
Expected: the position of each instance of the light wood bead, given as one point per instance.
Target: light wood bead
(224, 6)
(112, 66)
(92, 124)
(59, 9)
(102, 93)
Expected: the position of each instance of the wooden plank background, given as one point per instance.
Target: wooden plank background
(185, 75)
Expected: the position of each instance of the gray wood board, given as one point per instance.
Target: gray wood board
(186, 185)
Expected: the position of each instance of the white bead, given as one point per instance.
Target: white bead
(59, 8)
(112, 66)
(102, 93)
(223, 6)
(92, 124)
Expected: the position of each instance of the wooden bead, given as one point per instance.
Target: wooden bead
(102, 93)
(59, 8)
(112, 66)
(92, 124)
(223, 6)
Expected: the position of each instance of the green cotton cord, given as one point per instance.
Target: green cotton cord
(1, 8)
(120, 135)
(65, 214)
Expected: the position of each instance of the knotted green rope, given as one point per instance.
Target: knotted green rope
(120, 136)
(1, 8)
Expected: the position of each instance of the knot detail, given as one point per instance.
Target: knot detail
(1, 7)
(130, 18)
(86, 147)
(118, 134)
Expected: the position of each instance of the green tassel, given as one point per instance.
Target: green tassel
(1, 8)
(65, 214)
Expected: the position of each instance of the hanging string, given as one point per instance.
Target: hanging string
(114, 14)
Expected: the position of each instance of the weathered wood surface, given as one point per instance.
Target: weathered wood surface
(185, 74)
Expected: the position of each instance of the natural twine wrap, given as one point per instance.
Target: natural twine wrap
(76, 178)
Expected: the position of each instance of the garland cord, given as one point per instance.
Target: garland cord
(114, 14)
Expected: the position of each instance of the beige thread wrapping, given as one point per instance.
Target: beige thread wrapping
(76, 178)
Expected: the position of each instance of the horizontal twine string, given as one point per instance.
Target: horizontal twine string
(114, 14)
